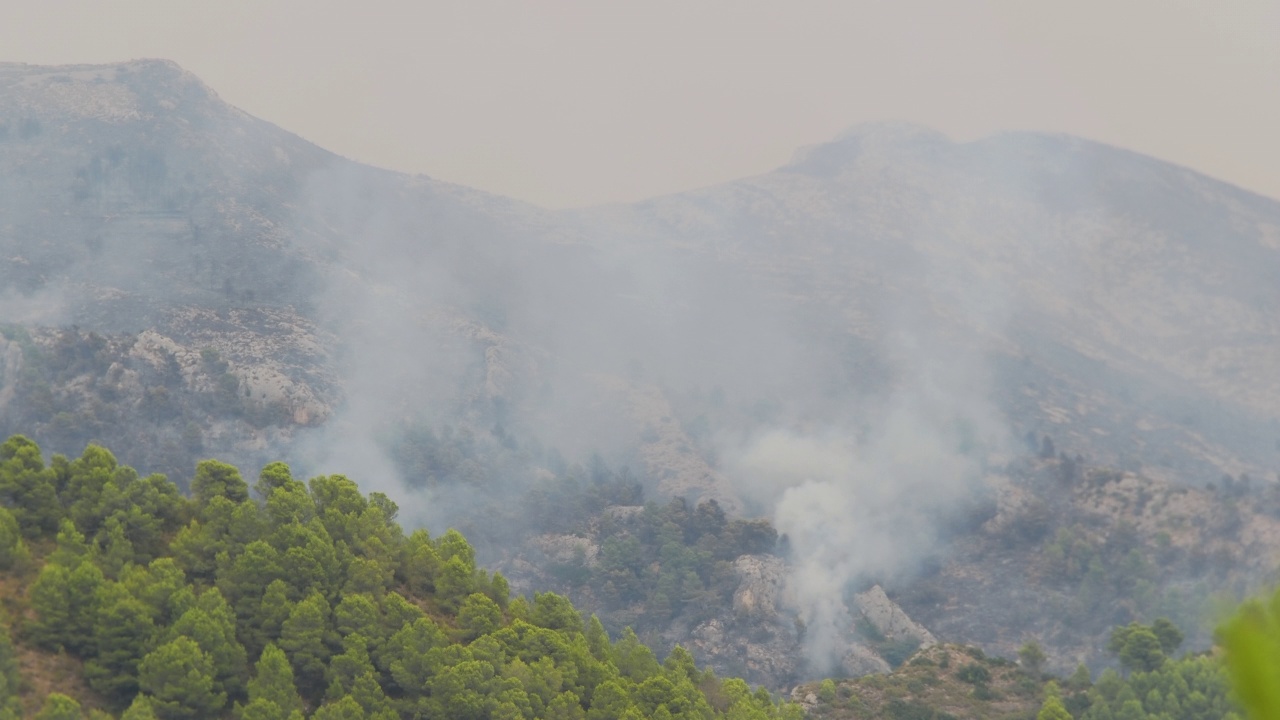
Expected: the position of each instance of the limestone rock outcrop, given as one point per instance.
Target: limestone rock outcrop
(890, 620)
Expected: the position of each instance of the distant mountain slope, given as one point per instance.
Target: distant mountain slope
(133, 200)
(137, 179)
(1128, 306)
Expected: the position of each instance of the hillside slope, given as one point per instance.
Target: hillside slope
(860, 347)
(1122, 305)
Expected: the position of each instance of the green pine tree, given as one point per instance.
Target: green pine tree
(303, 638)
(273, 682)
(479, 615)
(1052, 709)
(179, 680)
(59, 707)
(123, 636)
(10, 679)
(140, 709)
(212, 625)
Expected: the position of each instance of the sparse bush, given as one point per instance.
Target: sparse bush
(974, 674)
(1032, 657)
(907, 710)
(896, 652)
(827, 691)
(982, 691)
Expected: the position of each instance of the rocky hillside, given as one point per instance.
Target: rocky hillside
(137, 206)
(864, 347)
(1072, 552)
(1060, 554)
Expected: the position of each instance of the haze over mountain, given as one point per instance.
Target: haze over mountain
(847, 345)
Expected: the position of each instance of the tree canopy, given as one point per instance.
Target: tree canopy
(297, 600)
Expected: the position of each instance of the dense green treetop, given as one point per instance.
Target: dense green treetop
(297, 600)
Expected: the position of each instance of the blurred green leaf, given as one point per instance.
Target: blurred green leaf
(1252, 641)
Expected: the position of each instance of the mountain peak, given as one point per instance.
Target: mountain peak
(856, 142)
(113, 92)
(892, 132)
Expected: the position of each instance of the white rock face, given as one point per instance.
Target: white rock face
(885, 615)
(758, 636)
(761, 588)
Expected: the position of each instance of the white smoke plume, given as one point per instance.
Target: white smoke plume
(869, 501)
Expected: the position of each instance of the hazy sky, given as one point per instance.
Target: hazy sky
(572, 103)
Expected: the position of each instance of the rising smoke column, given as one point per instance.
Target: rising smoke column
(869, 504)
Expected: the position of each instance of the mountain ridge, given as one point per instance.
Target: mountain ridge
(772, 227)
